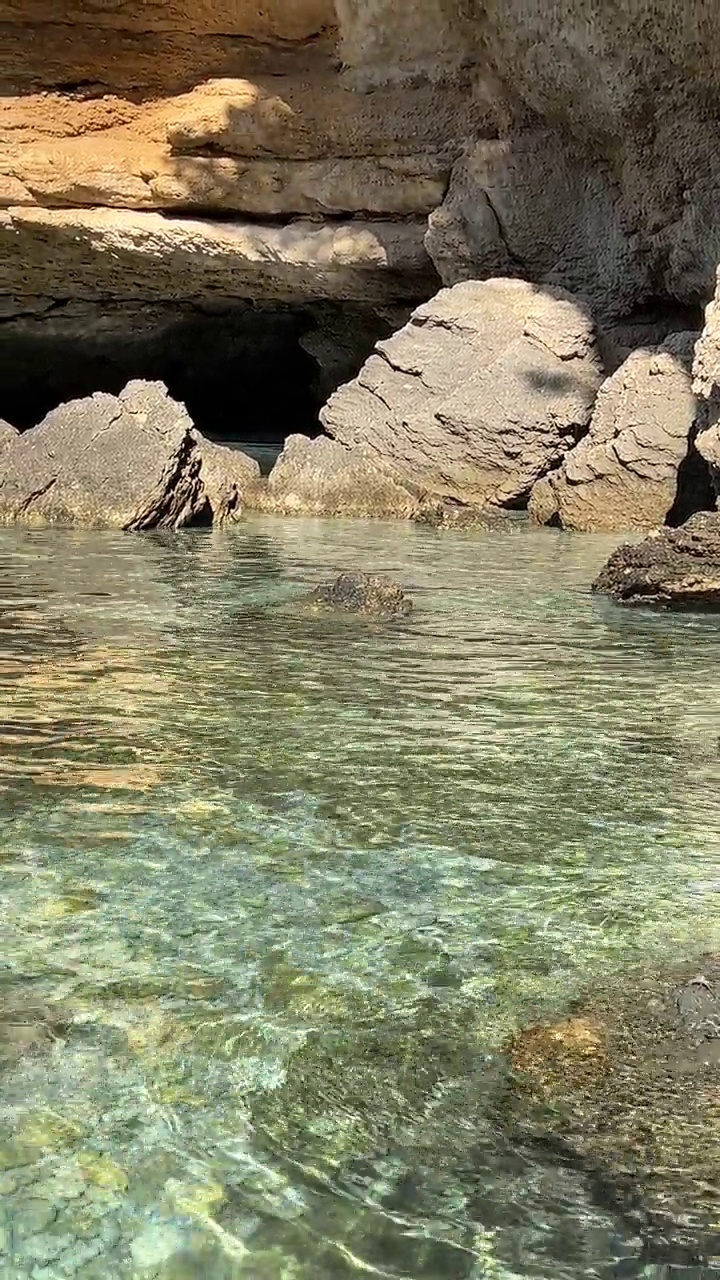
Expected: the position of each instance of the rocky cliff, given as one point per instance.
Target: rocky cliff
(353, 155)
(572, 142)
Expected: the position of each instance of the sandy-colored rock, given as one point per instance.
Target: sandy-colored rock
(121, 254)
(132, 461)
(7, 434)
(481, 394)
(626, 472)
(321, 477)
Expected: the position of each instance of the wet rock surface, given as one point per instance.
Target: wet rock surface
(676, 568)
(364, 593)
(27, 1023)
(132, 461)
(479, 396)
(628, 1087)
(626, 472)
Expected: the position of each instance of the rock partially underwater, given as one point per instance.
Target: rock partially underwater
(629, 1088)
(365, 593)
(676, 568)
(133, 461)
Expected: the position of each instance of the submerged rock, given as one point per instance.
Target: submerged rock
(26, 1024)
(479, 396)
(321, 477)
(629, 1087)
(132, 461)
(364, 593)
(677, 568)
(625, 474)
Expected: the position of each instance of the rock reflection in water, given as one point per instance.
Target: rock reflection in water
(293, 879)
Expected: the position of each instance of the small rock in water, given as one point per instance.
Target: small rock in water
(364, 593)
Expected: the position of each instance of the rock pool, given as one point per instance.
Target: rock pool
(276, 887)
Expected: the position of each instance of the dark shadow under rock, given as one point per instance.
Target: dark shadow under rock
(676, 568)
(629, 1088)
(364, 593)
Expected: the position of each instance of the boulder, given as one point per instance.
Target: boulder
(478, 396)
(323, 478)
(677, 568)
(132, 461)
(628, 1088)
(364, 593)
(625, 473)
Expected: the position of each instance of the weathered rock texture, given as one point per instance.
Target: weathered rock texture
(579, 141)
(115, 113)
(7, 434)
(367, 593)
(481, 394)
(321, 477)
(132, 461)
(624, 474)
(677, 568)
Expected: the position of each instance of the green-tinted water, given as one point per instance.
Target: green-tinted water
(287, 881)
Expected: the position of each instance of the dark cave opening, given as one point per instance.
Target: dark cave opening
(249, 375)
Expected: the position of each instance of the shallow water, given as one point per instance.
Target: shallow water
(288, 882)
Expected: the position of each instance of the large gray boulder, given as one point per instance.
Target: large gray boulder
(478, 396)
(625, 473)
(321, 477)
(132, 461)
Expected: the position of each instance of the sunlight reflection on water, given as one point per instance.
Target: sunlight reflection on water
(288, 881)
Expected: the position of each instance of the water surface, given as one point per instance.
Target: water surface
(292, 880)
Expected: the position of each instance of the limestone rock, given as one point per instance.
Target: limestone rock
(531, 206)
(323, 478)
(132, 461)
(627, 1089)
(364, 593)
(624, 474)
(7, 434)
(678, 568)
(479, 396)
(121, 254)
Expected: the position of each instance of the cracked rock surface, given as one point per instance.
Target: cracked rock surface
(626, 472)
(480, 395)
(132, 461)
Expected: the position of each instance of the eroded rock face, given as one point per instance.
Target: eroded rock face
(677, 568)
(132, 461)
(7, 434)
(366, 593)
(321, 477)
(624, 474)
(574, 161)
(628, 1086)
(481, 394)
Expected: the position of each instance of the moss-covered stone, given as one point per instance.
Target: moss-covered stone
(629, 1086)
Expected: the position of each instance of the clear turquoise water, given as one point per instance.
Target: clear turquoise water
(293, 879)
